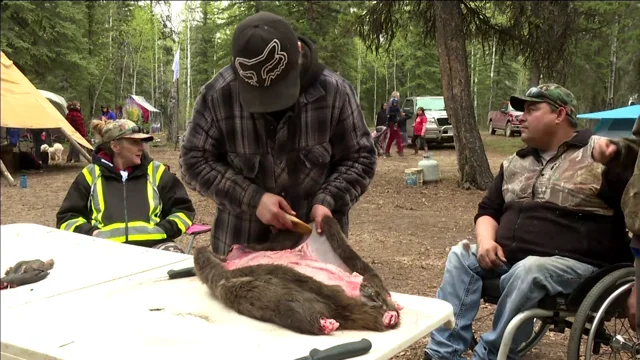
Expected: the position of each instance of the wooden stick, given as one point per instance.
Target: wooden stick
(77, 146)
(6, 174)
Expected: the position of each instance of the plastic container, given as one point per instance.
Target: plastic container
(23, 181)
(430, 169)
(413, 176)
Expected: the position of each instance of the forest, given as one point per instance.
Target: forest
(99, 52)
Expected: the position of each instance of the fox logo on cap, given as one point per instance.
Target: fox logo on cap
(268, 65)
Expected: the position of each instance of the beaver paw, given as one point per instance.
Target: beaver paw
(328, 325)
(390, 318)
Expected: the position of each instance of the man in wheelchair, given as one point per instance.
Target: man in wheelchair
(551, 218)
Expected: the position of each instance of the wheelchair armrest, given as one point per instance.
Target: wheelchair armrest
(197, 229)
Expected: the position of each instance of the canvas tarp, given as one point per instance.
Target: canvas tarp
(56, 100)
(616, 123)
(143, 102)
(23, 106)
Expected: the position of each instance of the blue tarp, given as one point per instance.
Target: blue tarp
(614, 123)
(627, 112)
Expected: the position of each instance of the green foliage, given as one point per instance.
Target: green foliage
(92, 51)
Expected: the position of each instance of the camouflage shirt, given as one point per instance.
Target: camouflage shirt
(631, 198)
(568, 206)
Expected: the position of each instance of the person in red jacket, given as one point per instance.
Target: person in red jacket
(76, 120)
(419, 127)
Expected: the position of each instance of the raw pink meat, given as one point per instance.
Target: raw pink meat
(300, 259)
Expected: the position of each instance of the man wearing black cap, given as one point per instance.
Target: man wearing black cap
(275, 133)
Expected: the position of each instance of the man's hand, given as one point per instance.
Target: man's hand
(490, 255)
(95, 232)
(271, 211)
(603, 151)
(317, 213)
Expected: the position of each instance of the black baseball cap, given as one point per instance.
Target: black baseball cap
(266, 63)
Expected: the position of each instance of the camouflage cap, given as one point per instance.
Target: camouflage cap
(121, 129)
(553, 94)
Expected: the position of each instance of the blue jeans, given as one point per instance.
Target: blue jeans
(522, 286)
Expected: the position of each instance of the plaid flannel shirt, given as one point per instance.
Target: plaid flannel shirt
(234, 157)
(76, 120)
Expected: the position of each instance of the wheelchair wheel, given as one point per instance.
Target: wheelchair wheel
(602, 308)
(539, 330)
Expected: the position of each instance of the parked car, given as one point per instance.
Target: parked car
(506, 119)
(439, 129)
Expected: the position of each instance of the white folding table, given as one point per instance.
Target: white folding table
(108, 314)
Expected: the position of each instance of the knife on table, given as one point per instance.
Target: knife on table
(181, 273)
(340, 352)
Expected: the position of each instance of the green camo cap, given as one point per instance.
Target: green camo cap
(120, 129)
(553, 94)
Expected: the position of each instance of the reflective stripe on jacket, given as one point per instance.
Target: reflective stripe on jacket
(147, 207)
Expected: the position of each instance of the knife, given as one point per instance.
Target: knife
(340, 352)
(181, 273)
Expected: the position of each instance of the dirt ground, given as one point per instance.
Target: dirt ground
(404, 232)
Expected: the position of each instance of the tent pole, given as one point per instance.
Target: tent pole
(77, 146)
(6, 174)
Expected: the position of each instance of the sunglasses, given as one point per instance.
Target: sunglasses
(538, 93)
(534, 92)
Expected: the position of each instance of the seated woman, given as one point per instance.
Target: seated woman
(124, 195)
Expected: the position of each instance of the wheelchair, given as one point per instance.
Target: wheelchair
(598, 300)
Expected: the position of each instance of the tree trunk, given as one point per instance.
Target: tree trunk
(534, 75)
(473, 166)
(175, 112)
(154, 84)
(386, 76)
(375, 92)
(135, 70)
(359, 72)
(188, 102)
(91, 6)
(124, 67)
(493, 63)
(613, 63)
(395, 84)
(93, 105)
(474, 79)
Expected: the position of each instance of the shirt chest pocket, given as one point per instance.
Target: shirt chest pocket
(245, 164)
(317, 156)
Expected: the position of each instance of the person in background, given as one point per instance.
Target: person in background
(39, 138)
(106, 113)
(381, 120)
(76, 120)
(393, 116)
(381, 135)
(402, 127)
(119, 112)
(419, 127)
(124, 195)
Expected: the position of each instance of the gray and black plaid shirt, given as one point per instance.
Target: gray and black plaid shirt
(232, 156)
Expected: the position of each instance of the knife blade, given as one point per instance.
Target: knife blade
(340, 352)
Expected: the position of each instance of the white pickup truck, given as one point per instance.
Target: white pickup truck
(439, 129)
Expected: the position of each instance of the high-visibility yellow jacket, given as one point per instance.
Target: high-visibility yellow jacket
(145, 206)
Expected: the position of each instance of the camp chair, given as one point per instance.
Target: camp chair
(195, 230)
